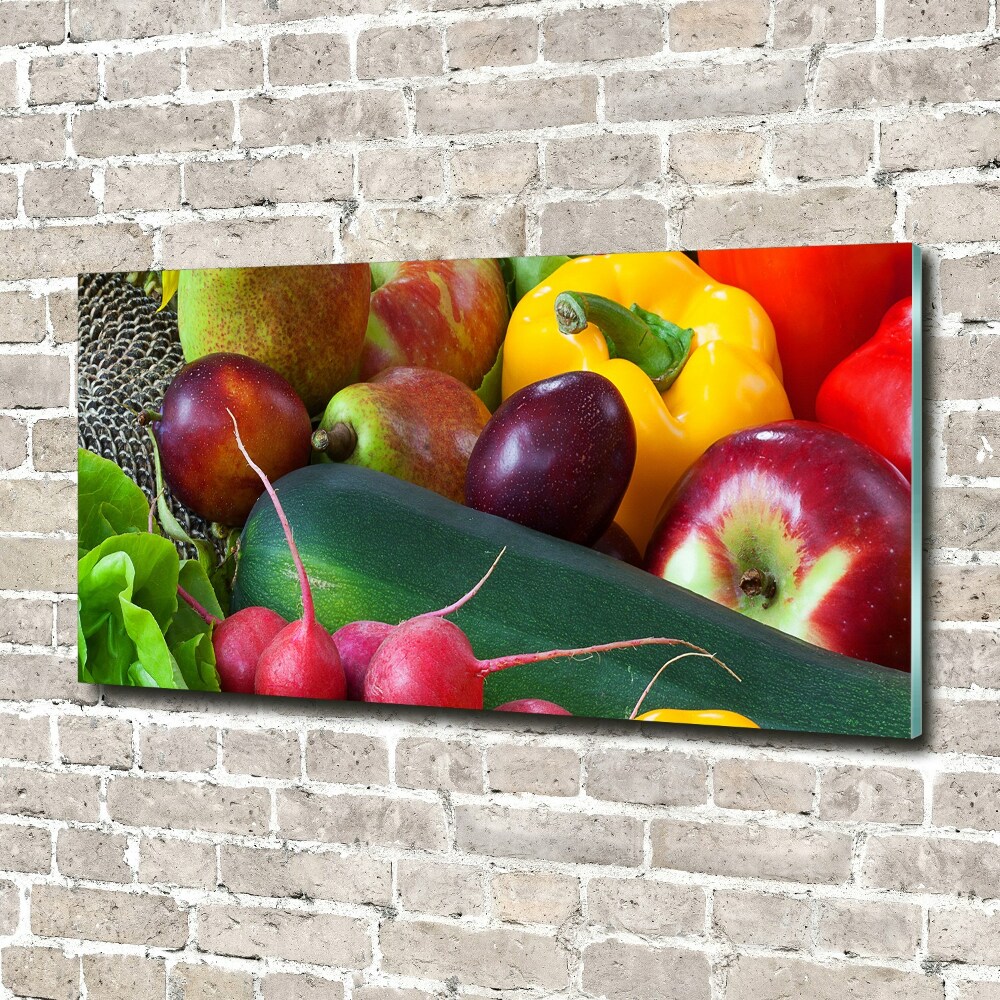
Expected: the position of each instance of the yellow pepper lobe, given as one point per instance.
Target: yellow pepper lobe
(709, 717)
(730, 381)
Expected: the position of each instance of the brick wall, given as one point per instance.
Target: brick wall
(167, 847)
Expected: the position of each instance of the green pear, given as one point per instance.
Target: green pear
(415, 424)
(307, 323)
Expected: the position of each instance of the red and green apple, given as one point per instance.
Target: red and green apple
(450, 315)
(801, 527)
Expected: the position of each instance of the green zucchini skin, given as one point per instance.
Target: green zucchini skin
(376, 547)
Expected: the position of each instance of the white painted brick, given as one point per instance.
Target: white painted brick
(409, 128)
(919, 18)
(823, 152)
(237, 66)
(92, 19)
(142, 74)
(489, 170)
(605, 161)
(716, 157)
(702, 25)
(507, 41)
(63, 79)
(142, 187)
(806, 22)
(308, 59)
(319, 177)
(59, 194)
(401, 174)
(612, 33)
(33, 21)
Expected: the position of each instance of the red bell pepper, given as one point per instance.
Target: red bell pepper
(869, 395)
(824, 302)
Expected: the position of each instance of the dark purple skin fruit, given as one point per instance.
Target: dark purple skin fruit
(557, 456)
(616, 543)
(201, 462)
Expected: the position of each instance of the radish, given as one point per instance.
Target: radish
(357, 641)
(429, 661)
(301, 661)
(239, 642)
(532, 706)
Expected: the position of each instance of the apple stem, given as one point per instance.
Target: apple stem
(147, 417)
(755, 582)
(338, 443)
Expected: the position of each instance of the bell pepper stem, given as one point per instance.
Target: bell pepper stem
(653, 343)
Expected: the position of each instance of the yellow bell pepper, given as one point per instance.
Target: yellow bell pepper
(708, 717)
(710, 368)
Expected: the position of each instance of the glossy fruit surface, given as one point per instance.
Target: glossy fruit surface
(801, 527)
(307, 323)
(824, 302)
(557, 456)
(450, 315)
(616, 543)
(239, 641)
(414, 423)
(385, 562)
(201, 462)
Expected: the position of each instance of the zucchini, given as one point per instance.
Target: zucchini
(376, 547)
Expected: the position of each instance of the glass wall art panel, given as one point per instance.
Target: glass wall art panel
(663, 487)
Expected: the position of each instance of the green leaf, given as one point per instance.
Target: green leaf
(189, 637)
(109, 502)
(196, 662)
(132, 629)
(128, 596)
(489, 390)
(170, 525)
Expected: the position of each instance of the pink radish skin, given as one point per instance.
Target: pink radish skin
(358, 641)
(301, 661)
(239, 642)
(532, 706)
(429, 661)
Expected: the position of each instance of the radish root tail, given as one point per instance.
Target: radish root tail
(467, 597)
(308, 613)
(656, 677)
(520, 659)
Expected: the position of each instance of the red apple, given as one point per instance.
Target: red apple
(800, 527)
(445, 314)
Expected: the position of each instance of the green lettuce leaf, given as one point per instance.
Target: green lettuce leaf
(132, 628)
(109, 502)
(188, 637)
(128, 597)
